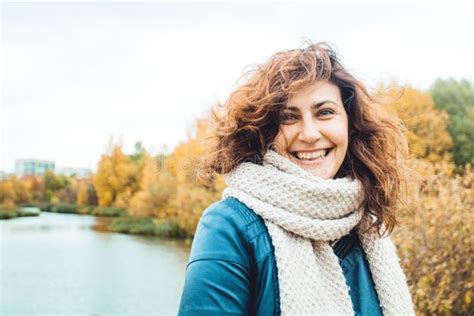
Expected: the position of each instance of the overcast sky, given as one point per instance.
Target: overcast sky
(73, 75)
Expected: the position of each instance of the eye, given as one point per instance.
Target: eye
(288, 117)
(325, 112)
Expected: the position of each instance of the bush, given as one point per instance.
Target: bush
(44, 207)
(146, 226)
(168, 228)
(13, 212)
(437, 240)
(85, 209)
(64, 208)
(108, 211)
(8, 213)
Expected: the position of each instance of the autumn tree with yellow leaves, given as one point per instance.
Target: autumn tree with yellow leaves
(117, 178)
(436, 239)
(194, 193)
(86, 194)
(13, 191)
(157, 187)
(426, 126)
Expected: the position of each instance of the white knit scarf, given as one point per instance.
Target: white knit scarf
(303, 213)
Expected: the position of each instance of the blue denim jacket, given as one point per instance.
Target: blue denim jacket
(232, 268)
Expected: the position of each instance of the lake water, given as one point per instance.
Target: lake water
(57, 264)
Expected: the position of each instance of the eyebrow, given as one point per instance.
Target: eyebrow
(314, 106)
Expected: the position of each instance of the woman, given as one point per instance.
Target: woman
(313, 171)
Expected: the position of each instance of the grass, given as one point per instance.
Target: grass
(108, 211)
(68, 208)
(9, 213)
(147, 226)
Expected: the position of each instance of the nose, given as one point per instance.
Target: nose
(309, 131)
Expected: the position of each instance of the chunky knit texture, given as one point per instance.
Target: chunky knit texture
(303, 213)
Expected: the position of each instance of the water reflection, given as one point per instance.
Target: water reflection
(100, 224)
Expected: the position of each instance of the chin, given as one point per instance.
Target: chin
(322, 175)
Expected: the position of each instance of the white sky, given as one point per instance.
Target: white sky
(72, 75)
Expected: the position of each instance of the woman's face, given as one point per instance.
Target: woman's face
(314, 130)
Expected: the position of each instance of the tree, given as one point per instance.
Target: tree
(157, 186)
(427, 134)
(36, 186)
(56, 187)
(457, 98)
(81, 197)
(454, 96)
(139, 154)
(14, 191)
(86, 194)
(54, 183)
(117, 179)
(193, 193)
(68, 194)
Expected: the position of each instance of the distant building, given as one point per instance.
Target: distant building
(3, 175)
(77, 172)
(27, 167)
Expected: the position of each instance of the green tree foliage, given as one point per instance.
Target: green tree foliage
(55, 182)
(56, 185)
(457, 98)
(139, 154)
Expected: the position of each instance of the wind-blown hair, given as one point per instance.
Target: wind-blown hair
(245, 126)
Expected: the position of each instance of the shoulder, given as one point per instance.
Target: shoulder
(231, 263)
(224, 232)
(229, 211)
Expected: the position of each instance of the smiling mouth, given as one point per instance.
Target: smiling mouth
(311, 156)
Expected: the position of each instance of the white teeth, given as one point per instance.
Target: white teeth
(313, 155)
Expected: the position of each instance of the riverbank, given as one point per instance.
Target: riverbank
(148, 226)
(121, 222)
(78, 209)
(10, 213)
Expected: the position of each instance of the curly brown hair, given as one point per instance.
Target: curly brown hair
(245, 126)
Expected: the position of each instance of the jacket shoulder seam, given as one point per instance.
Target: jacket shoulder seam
(216, 258)
(246, 213)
